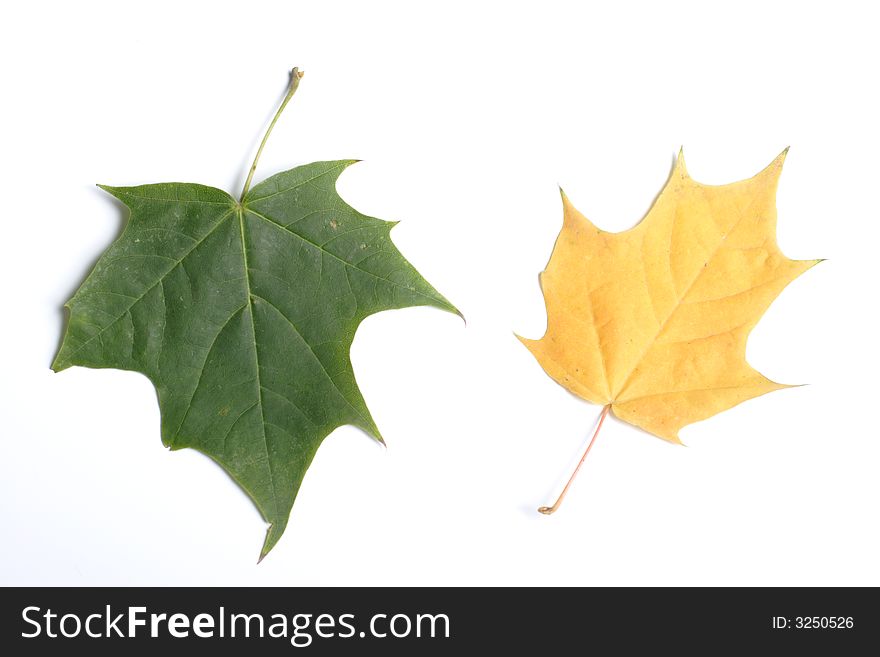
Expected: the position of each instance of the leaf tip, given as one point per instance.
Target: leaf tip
(525, 341)
(775, 167)
(675, 440)
(779, 160)
(273, 534)
(572, 217)
(443, 303)
(342, 165)
(565, 200)
(367, 424)
(113, 191)
(768, 177)
(680, 166)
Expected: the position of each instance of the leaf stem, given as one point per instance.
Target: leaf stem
(547, 510)
(295, 77)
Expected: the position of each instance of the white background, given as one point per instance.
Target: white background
(467, 116)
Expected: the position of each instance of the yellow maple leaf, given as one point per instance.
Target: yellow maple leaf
(652, 322)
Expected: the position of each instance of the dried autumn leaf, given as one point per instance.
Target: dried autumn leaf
(242, 312)
(652, 322)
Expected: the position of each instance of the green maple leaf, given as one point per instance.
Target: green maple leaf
(242, 314)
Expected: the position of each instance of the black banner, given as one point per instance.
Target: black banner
(437, 621)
